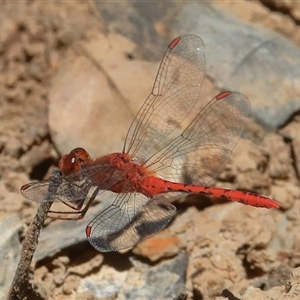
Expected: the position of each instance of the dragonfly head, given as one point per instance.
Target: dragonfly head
(74, 161)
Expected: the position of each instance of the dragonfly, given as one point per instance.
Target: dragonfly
(159, 160)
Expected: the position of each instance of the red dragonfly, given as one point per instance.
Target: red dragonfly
(156, 161)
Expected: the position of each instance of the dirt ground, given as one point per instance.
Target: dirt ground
(37, 38)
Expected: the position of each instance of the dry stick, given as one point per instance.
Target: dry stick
(20, 287)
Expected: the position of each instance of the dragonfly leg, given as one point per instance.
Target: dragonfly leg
(77, 211)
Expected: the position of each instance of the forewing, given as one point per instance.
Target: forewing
(129, 220)
(74, 187)
(174, 94)
(200, 153)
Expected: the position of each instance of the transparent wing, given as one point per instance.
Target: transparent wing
(130, 219)
(74, 187)
(176, 90)
(200, 153)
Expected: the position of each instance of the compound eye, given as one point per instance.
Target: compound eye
(69, 164)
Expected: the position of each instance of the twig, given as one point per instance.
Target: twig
(21, 289)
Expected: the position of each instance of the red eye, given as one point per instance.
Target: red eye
(69, 164)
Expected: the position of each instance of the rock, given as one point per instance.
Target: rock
(292, 285)
(286, 193)
(86, 90)
(10, 249)
(291, 132)
(280, 161)
(277, 277)
(99, 103)
(87, 267)
(151, 18)
(162, 245)
(236, 51)
(253, 293)
(296, 148)
(245, 50)
(219, 239)
(104, 284)
(163, 281)
(292, 7)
